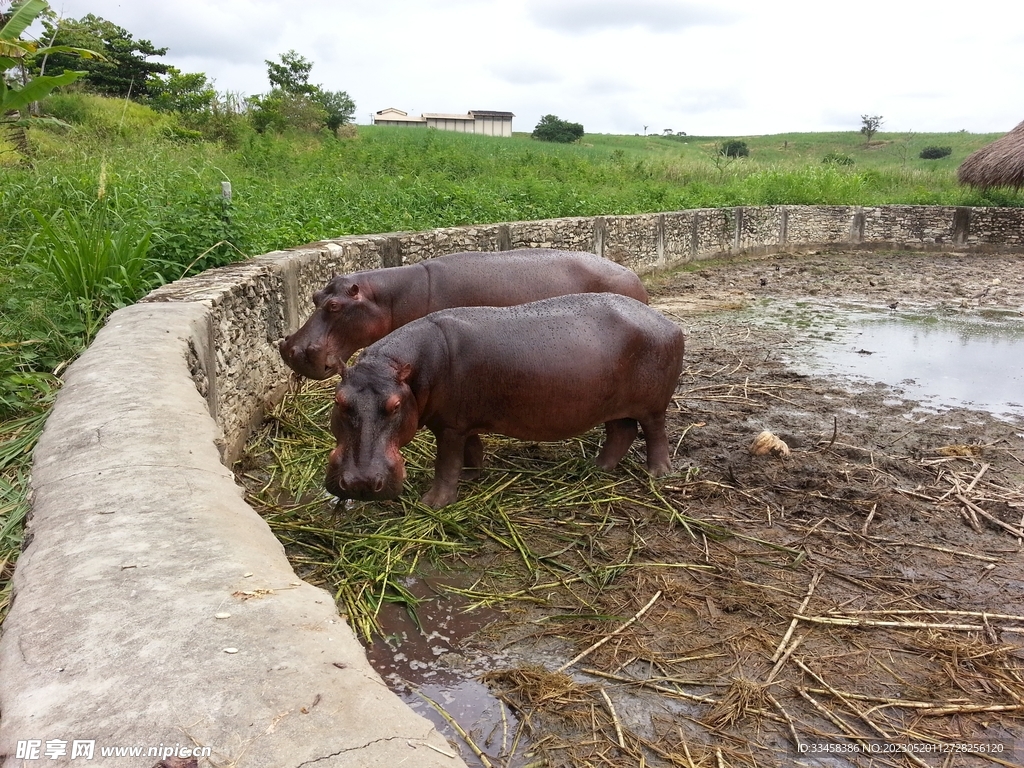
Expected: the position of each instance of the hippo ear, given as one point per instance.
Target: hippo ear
(352, 291)
(402, 373)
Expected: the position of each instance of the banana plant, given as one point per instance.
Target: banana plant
(13, 52)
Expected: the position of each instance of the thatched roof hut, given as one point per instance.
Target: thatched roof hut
(1000, 164)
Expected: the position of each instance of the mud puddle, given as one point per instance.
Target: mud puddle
(428, 656)
(939, 358)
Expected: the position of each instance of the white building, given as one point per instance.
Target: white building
(484, 122)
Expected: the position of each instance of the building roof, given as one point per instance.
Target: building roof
(489, 113)
(444, 116)
(397, 116)
(1000, 164)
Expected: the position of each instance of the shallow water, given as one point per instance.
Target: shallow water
(429, 658)
(942, 360)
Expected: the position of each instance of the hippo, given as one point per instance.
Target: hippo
(547, 370)
(353, 311)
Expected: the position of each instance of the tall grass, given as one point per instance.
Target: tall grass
(91, 262)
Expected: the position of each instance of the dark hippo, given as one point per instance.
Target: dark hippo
(548, 370)
(353, 311)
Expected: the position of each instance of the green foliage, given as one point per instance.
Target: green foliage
(124, 71)
(735, 148)
(186, 93)
(935, 153)
(92, 260)
(175, 132)
(280, 110)
(199, 232)
(837, 158)
(294, 103)
(15, 52)
(338, 106)
(225, 121)
(107, 118)
(291, 75)
(552, 128)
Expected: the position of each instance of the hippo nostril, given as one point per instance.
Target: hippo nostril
(378, 485)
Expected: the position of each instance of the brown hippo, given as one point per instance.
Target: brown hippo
(547, 370)
(353, 311)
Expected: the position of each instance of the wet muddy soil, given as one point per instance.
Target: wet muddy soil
(853, 596)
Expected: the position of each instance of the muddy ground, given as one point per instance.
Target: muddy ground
(855, 597)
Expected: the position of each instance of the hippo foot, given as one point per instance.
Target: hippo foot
(658, 470)
(436, 498)
(470, 473)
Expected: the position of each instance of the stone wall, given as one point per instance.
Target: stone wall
(255, 304)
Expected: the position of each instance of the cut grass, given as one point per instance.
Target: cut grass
(535, 502)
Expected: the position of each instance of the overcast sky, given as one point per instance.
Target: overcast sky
(707, 67)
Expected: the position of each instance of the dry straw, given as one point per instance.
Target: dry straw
(999, 164)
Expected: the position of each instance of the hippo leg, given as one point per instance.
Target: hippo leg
(472, 457)
(659, 462)
(619, 435)
(451, 449)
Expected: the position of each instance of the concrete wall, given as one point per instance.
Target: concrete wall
(139, 539)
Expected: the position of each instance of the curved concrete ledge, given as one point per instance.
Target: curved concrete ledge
(139, 541)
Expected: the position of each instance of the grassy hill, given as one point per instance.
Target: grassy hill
(792, 150)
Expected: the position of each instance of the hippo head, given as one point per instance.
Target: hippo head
(374, 415)
(346, 318)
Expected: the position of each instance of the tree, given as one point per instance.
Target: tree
(552, 128)
(293, 102)
(291, 75)
(338, 105)
(16, 96)
(870, 125)
(124, 71)
(183, 92)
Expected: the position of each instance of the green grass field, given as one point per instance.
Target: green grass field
(125, 201)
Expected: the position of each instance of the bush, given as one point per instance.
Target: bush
(177, 133)
(279, 111)
(198, 231)
(837, 158)
(552, 128)
(735, 148)
(934, 153)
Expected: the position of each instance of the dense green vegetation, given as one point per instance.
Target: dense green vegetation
(128, 198)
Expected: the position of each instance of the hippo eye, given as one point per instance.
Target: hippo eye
(332, 305)
(392, 404)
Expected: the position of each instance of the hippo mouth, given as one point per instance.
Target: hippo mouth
(379, 489)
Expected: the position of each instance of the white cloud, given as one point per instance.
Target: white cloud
(654, 16)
